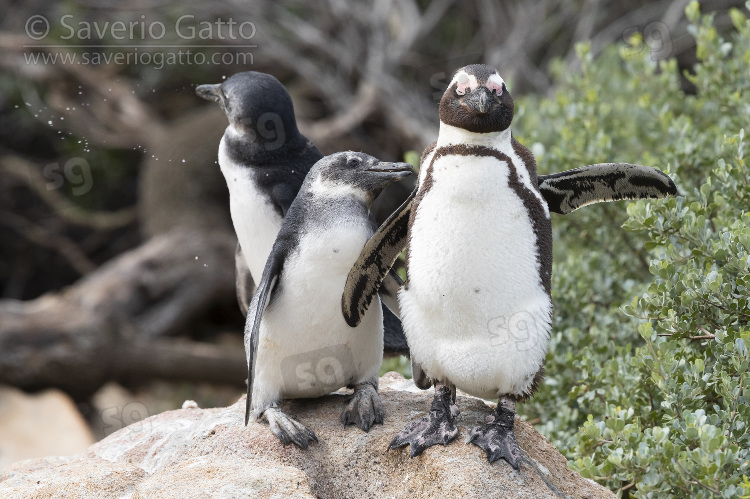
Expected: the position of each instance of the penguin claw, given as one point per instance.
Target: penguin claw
(498, 441)
(365, 408)
(288, 430)
(437, 427)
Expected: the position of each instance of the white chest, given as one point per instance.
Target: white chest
(473, 236)
(475, 311)
(306, 349)
(255, 220)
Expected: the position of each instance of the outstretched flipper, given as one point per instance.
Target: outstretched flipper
(374, 263)
(569, 190)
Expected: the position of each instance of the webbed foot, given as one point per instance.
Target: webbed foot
(496, 437)
(437, 427)
(288, 430)
(365, 408)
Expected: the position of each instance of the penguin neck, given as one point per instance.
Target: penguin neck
(450, 134)
(256, 149)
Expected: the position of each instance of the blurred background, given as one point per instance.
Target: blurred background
(117, 292)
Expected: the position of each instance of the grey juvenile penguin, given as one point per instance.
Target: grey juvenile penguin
(476, 306)
(297, 342)
(264, 159)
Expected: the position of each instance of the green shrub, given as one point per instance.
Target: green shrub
(648, 384)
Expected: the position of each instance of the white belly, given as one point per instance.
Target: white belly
(475, 312)
(306, 349)
(255, 220)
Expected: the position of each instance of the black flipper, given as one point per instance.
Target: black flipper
(389, 292)
(374, 263)
(244, 281)
(569, 190)
(258, 305)
(394, 340)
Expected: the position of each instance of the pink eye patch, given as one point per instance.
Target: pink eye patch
(464, 83)
(493, 85)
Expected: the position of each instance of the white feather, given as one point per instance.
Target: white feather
(500, 141)
(329, 189)
(255, 220)
(305, 348)
(475, 312)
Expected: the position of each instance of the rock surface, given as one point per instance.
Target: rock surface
(27, 430)
(209, 453)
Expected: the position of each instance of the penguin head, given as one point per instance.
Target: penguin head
(477, 100)
(256, 104)
(356, 173)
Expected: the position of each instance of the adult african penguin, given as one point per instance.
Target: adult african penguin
(264, 159)
(476, 306)
(297, 342)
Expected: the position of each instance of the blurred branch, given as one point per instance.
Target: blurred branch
(181, 360)
(28, 174)
(45, 237)
(107, 325)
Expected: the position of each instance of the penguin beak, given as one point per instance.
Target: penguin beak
(392, 170)
(480, 100)
(209, 92)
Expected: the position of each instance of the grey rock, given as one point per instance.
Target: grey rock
(210, 453)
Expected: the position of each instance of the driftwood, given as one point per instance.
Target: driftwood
(111, 324)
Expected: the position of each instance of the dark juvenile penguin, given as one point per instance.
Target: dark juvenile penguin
(297, 342)
(264, 159)
(476, 305)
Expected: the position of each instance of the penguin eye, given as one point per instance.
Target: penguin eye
(353, 162)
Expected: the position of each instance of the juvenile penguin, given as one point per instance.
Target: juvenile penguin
(264, 159)
(476, 306)
(297, 342)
